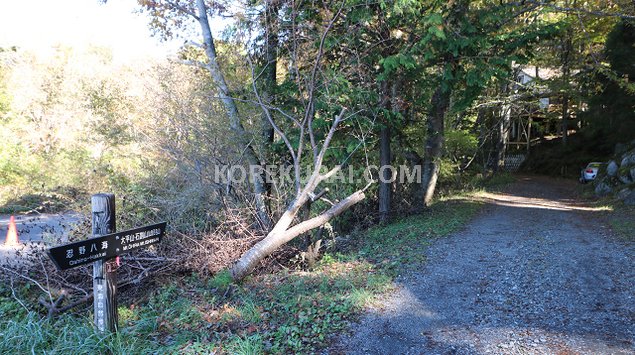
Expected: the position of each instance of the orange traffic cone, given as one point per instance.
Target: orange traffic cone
(12, 234)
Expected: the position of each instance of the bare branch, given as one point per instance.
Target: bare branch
(327, 140)
(195, 63)
(332, 212)
(194, 44)
(333, 171)
(278, 237)
(15, 297)
(39, 285)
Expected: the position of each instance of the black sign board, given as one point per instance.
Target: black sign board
(106, 246)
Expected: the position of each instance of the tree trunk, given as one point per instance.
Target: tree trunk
(503, 136)
(257, 181)
(481, 123)
(282, 234)
(434, 144)
(440, 103)
(385, 185)
(565, 118)
(270, 64)
(566, 56)
(504, 125)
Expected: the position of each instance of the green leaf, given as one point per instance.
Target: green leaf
(437, 31)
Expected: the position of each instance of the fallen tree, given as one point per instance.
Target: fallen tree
(283, 232)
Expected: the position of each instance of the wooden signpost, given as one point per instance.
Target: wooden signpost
(103, 250)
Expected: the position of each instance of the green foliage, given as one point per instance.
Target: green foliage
(320, 303)
(610, 113)
(247, 345)
(460, 144)
(619, 48)
(42, 182)
(5, 96)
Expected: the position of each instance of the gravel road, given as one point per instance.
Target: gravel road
(37, 227)
(535, 273)
(33, 229)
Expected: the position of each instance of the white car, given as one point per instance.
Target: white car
(590, 172)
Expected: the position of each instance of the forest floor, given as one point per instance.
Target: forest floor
(537, 271)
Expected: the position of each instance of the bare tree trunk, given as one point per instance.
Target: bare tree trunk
(385, 186)
(236, 126)
(434, 144)
(282, 232)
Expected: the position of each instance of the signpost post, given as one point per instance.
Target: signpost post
(105, 270)
(103, 249)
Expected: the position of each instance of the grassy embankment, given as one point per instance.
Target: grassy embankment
(621, 219)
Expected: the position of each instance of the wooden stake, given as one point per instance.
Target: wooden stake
(104, 271)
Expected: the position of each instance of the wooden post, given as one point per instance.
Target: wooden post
(104, 271)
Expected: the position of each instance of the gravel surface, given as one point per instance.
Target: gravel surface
(34, 229)
(535, 273)
(37, 227)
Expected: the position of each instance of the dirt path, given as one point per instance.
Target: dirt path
(536, 273)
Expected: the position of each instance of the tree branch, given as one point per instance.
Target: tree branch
(327, 140)
(332, 212)
(195, 63)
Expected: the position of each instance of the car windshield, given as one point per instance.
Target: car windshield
(594, 165)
